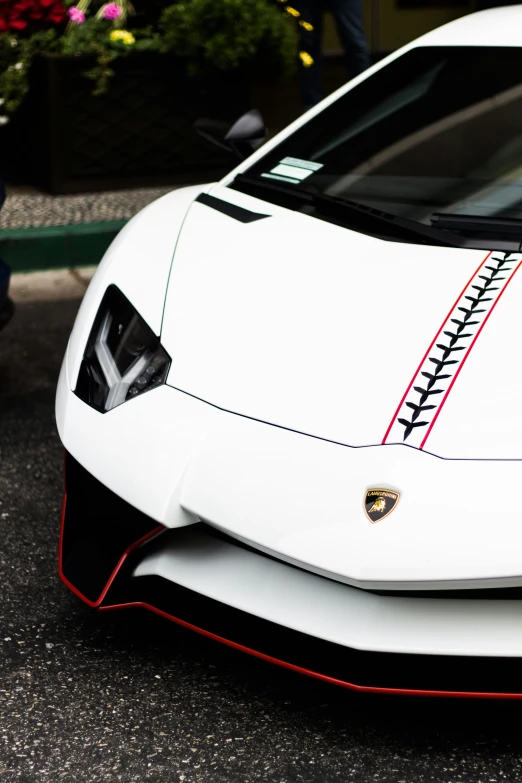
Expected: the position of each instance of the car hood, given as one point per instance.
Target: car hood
(307, 325)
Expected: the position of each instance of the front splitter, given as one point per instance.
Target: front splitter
(94, 520)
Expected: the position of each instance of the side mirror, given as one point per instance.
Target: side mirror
(243, 137)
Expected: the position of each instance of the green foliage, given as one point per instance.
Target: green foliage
(227, 34)
(90, 38)
(16, 55)
(96, 38)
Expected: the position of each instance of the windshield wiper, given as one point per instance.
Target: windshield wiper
(359, 216)
(287, 193)
(366, 219)
(375, 220)
(477, 223)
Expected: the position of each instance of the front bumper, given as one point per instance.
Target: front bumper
(114, 556)
(178, 459)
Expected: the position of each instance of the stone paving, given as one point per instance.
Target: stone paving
(28, 208)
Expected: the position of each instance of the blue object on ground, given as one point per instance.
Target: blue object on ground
(6, 304)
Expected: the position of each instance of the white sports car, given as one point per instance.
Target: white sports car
(292, 401)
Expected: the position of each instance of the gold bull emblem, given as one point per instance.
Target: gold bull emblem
(379, 505)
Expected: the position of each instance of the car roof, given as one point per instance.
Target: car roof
(493, 27)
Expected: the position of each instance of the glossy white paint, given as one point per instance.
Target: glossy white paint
(302, 499)
(474, 432)
(178, 459)
(139, 450)
(484, 409)
(312, 326)
(317, 329)
(138, 262)
(335, 612)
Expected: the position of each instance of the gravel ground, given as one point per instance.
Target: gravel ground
(26, 208)
(88, 698)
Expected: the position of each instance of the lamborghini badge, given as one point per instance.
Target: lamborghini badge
(378, 503)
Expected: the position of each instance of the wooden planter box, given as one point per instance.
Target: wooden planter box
(139, 134)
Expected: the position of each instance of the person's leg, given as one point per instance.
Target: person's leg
(310, 44)
(348, 16)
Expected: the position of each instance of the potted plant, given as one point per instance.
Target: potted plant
(94, 95)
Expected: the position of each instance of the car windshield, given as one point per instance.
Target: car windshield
(438, 130)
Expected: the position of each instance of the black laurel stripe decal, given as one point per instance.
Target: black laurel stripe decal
(435, 375)
(232, 210)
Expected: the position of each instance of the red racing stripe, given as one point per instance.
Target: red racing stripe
(461, 365)
(457, 300)
(440, 366)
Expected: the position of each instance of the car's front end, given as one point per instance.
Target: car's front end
(299, 434)
(266, 600)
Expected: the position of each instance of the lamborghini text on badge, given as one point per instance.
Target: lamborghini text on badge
(378, 503)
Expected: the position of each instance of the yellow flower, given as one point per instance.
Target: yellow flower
(124, 36)
(306, 25)
(291, 11)
(306, 59)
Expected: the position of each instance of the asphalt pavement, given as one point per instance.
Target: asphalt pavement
(91, 698)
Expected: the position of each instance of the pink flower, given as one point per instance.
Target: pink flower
(75, 15)
(112, 11)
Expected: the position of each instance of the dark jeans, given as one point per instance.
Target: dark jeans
(348, 19)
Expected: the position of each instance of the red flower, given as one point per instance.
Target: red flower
(16, 15)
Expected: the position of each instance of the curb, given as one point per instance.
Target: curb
(57, 247)
(50, 286)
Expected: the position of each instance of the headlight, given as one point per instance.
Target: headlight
(123, 357)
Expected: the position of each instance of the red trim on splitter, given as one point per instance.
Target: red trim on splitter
(308, 672)
(248, 650)
(114, 573)
(461, 365)
(475, 273)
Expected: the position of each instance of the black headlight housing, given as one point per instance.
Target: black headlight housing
(123, 357)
